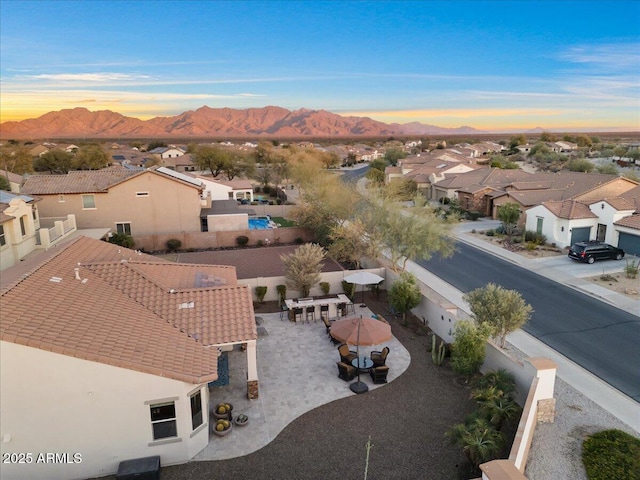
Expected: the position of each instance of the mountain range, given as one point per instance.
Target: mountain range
(214, 122)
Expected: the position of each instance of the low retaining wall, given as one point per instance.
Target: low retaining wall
(209, 240)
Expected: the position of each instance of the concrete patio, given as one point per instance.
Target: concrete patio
(297, 372)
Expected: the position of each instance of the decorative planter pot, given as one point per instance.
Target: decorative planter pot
(221, 433)
(241, 420)
(222, 416)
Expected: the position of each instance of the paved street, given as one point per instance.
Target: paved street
(598, 336)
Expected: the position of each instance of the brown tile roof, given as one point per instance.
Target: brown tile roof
(569, 209)
(123, 314)
(83, 181)
(632, 221)
(620, 203)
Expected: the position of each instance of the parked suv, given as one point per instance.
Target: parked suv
(591, 251)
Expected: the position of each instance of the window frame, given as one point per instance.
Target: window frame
(157, 434)
(23, 225)
(3, 239)
(142, 194)
(197, 415)
(93, 201)
(124, 228)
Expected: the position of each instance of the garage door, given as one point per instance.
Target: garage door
(629, 243)
(580, 234)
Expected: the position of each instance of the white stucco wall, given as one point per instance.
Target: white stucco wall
(217, 190)
(18, 246)
(53, 403)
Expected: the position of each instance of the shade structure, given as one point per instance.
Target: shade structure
(363, 278)
(372, 331)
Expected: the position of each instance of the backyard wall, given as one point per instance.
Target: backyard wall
(209, 240)
(283, 211)
(334, 279)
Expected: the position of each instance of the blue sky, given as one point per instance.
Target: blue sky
(499, 66)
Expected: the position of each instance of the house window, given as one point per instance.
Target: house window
(3, 241)
(61, 198)
(124, 227)
(23, 225)
(196, 410)
(163, 420)
(142, 194)
(539, 221)
(88, 201)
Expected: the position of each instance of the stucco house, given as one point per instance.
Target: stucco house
(147, 202)
(613, 220)
(22, 231)
(14, 180)
(166, 152)
(106, 354)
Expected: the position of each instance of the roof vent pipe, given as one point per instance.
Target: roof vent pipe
(77, 272)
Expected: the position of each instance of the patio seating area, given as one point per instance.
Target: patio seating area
(297, 372)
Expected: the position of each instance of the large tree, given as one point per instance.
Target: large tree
(393, 154)
(503, 310)
(16, 160)
(303, 267)
(90, 157)
(211, 157)
(404, 294)
(54, 161)
(416, 234)
(350, 242)
(509, 214)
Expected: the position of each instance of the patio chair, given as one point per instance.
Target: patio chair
(346, 355)
(345, 371)
(311, 312)
(350, 306)
(284, 311)
(379, 374)
(379, 358)
(341, 309)
(324, 311)
(297, 312)
(327, 325)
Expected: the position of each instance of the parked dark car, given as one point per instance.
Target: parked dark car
(589, 252)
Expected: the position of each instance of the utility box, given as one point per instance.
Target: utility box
(147, 468)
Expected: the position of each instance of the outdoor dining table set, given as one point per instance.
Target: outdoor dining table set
(302, 309)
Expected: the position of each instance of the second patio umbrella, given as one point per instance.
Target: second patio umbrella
(363, 278)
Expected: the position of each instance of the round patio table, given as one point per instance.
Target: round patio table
(363, 364)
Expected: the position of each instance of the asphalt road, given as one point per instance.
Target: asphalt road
(597, 336)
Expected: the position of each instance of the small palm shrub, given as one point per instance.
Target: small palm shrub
(242, 240)
(282, 293)
(631, 269)
(325, 287)
(173, 244)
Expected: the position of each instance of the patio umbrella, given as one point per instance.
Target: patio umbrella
(360, 331)
(371, 331)
(363, 278)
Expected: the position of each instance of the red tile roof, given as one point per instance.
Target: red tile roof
(632, 221)
(569, 209)
(121, 312)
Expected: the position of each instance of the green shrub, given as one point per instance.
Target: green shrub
(260, 293)
(260, 243)
(611, 454)
(299, 240)
(173, 244)
(325, 287)
(123, 240)
(256, 189)
(531, 245)
(282, 292)
(473, 215)
(349, 289)
(535, 237)
(267, 189)
(242, 240)
(490, 233)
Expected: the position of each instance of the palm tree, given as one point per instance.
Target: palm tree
(502, 379)
(479, 440)
(499, 410)
(487, 394)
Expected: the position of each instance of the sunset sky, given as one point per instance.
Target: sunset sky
(496, 66)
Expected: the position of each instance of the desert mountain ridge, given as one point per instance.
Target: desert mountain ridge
(214, 122)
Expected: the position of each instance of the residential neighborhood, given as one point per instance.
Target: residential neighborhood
(108, 280)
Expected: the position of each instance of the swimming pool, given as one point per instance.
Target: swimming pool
(259, 223)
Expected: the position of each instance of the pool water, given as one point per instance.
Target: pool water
(258, 223)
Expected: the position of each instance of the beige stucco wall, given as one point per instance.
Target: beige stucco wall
(18, 246)
(229, 222)
(52, 403)
(171, 206)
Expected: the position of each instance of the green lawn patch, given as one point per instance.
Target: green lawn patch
(611, 454)
(284, 222)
